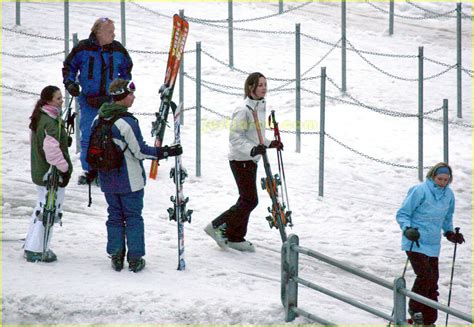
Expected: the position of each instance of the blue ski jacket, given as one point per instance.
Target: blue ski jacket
(131, 176)
(430, 209)
(97, 66)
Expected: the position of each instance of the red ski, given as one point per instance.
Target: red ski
(178, 41)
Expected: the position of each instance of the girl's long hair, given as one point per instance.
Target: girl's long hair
(47, 95)
(251, 83)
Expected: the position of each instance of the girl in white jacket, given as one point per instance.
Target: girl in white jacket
(245, 150)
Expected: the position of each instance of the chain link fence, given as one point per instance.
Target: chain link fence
(246, 20)
(463, 15)
(395, 76)
(153, 12)
(37, 35)
(229, 90)
(431, 16)
(15, 55)
(385, 162)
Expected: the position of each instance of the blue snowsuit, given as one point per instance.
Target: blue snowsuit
(97, 67)
(124, 187)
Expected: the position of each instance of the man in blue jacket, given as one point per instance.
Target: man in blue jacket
(97, 60)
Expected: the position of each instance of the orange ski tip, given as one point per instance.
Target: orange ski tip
(154, 169)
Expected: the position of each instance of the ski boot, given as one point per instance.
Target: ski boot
(416, 318)
(135, 265)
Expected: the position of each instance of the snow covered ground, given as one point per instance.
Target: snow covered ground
(354, 222)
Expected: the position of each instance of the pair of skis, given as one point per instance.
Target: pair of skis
(48, 217)
(178, 173)
(178, 212)
(279, 217)
(178, 41)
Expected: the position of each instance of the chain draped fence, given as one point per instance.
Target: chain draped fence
(346, 98)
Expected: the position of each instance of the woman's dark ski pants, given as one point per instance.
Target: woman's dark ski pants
(237, 217)
(426, 284)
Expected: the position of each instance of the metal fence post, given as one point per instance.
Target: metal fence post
(198, 109)
(322, 118)
(343, 45)
(390, 17)
(17, 12)
(445, 131)
(66, 41)
(291, 270)
(459, 57)
(123, 22)
(66, 28)
(231, 34)
(280, 7)
(75, 41)
(399, 302)
(284, 274)
(181, 78)
(298, 87)
(420, 113)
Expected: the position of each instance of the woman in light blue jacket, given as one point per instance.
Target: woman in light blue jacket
(427, 209)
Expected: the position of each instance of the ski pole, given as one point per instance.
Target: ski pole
(408, 259)
(452, 274)
(68, 118)
(403, 275)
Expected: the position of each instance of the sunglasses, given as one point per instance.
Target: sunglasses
(130, 87)
(104, 19)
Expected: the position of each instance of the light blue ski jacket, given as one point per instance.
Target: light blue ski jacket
(430, 209)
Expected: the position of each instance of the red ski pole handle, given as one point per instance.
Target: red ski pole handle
(276, 130)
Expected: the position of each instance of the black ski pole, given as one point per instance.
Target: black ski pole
(408, 259)
(67, 113)
(90, 196)
(452, 274)
(403, 275)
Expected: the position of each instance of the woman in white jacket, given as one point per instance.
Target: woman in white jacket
(229, 229)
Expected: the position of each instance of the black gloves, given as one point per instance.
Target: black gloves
(412, 234)
(276, 144)
(455, 237)
(69, 141)
(73, 89)
(97, 101)
(256, 150)
(91, 175)
(170, 151)
(64, 179)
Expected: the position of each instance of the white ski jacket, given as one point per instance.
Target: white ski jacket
(243, 134)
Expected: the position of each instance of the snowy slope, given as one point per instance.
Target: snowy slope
(354, 222)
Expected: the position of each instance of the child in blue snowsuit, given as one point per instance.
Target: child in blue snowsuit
(124, 187)
(98, 60)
